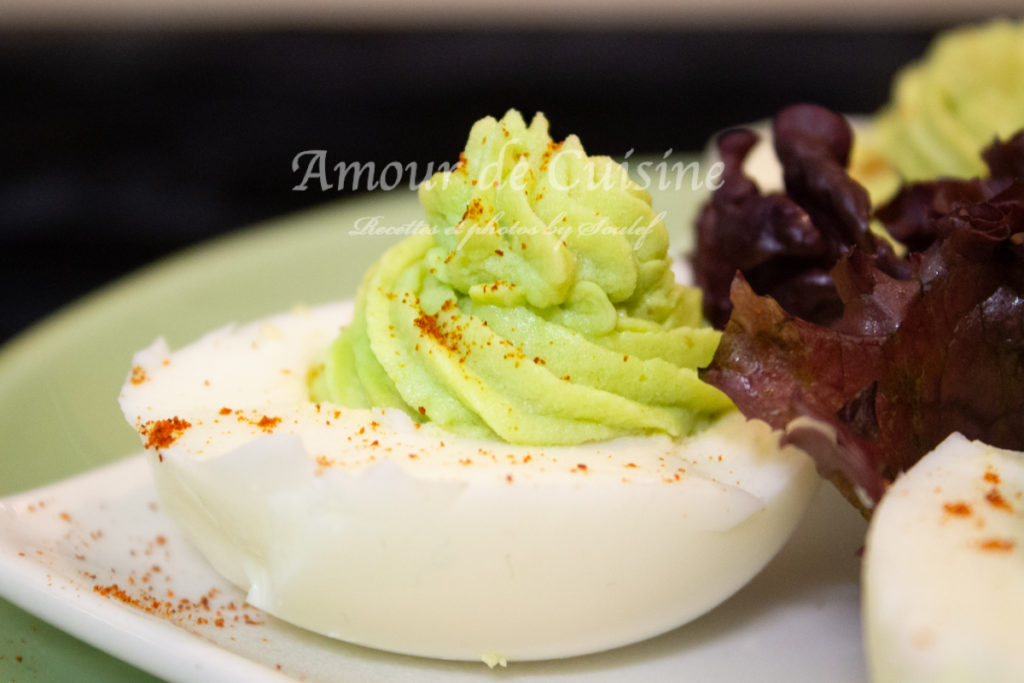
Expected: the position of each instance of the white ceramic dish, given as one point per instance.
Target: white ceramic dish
(797, 621)
(95, 556)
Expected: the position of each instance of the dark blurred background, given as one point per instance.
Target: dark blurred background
(120, 146)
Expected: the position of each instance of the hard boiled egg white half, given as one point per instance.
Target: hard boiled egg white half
(362, 525)
(943, 581)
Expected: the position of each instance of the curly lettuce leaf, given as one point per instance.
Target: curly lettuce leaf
(786, 244)
(928, 347)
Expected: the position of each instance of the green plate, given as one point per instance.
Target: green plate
(59, 381)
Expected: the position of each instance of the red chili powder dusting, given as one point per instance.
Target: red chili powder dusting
(268, 423)
(474, 210)
(139, 593)
(959, 509)
(182, 610)
(265, 423)
(996, 500)
(162, 433)
(429, 327)
(1003, 545)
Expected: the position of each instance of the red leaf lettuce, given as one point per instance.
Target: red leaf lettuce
(887, 356)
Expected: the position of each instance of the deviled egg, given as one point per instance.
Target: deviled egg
(501, 450)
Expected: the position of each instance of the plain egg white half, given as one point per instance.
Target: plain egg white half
(362, 526)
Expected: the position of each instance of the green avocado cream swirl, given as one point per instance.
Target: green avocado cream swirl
(539, 307)
(946, 108)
